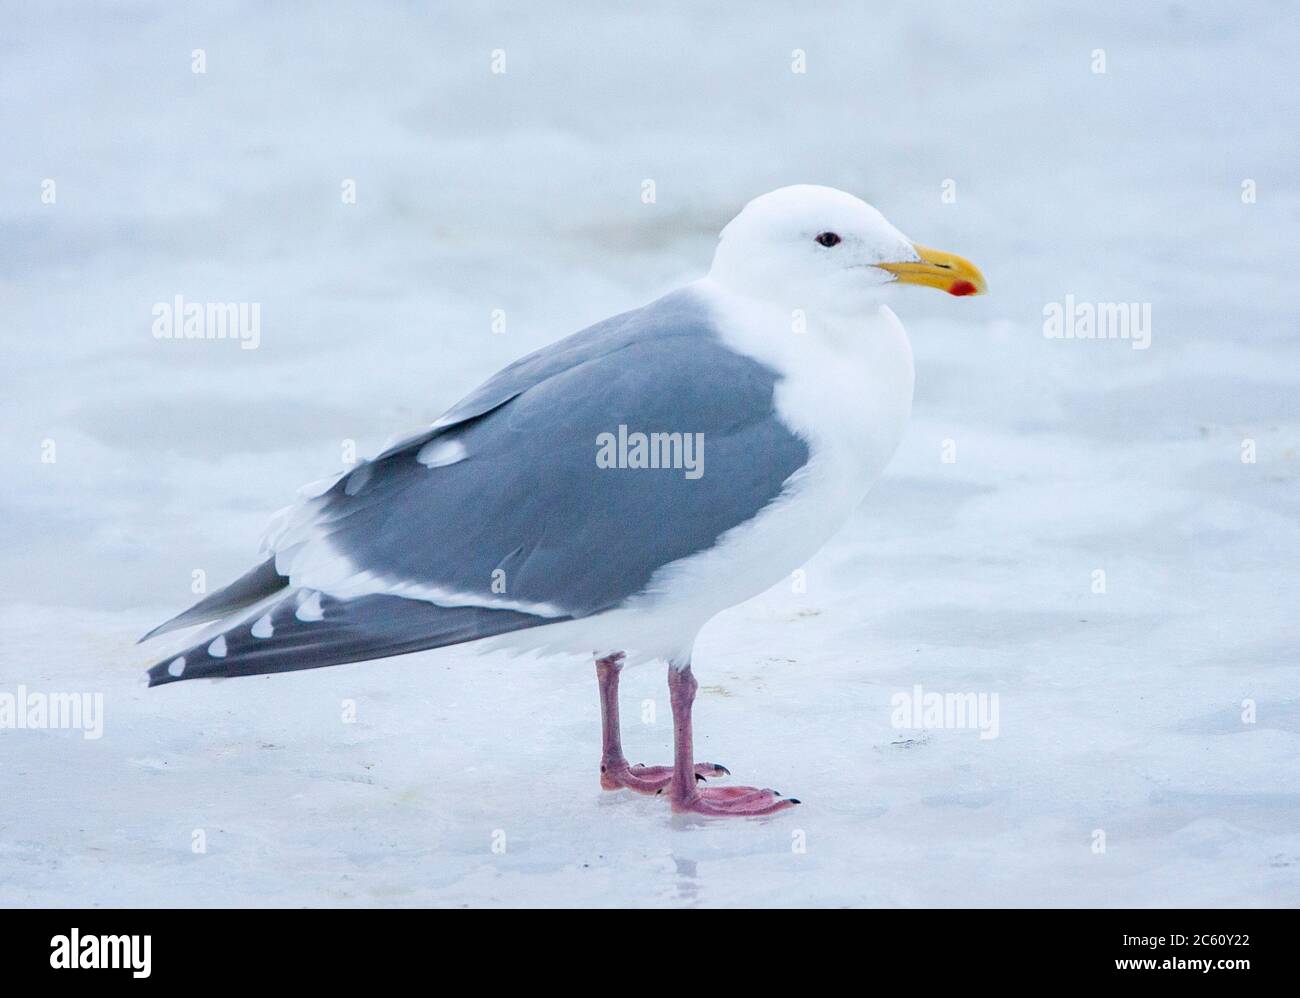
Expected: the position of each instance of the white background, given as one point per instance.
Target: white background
(1119, 712)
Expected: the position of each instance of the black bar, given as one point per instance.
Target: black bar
(334, 947)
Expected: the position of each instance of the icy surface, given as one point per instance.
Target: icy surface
(390, 783)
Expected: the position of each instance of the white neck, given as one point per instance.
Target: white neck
(846, 381)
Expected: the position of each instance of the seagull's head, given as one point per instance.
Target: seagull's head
(810, 246)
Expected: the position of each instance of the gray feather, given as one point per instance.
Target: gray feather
(529, 498)
(252, 587)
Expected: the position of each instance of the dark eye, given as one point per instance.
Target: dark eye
(828, 239)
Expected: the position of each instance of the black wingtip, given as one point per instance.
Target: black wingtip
(159, 676)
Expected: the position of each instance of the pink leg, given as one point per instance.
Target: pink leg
(615, 773)
(686, 795)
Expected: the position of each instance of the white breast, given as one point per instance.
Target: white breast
(846, 388)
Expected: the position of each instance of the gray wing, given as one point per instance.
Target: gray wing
(524, 528)
(528, 507)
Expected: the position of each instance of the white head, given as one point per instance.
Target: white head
(810, 246)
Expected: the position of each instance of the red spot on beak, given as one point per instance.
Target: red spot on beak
(961, 288)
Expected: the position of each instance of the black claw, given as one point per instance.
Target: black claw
(794, 800)
(659, 791)
(700, 779)
(721, 769)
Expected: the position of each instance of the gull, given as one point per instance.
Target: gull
(614, 491)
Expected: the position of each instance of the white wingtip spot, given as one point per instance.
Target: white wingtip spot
(263, 628)
(218, 648)
(176, 666)
(309, 610)
(438, 453)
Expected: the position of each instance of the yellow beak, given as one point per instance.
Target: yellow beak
(937, 269)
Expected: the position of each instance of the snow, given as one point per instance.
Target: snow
(514, 200)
